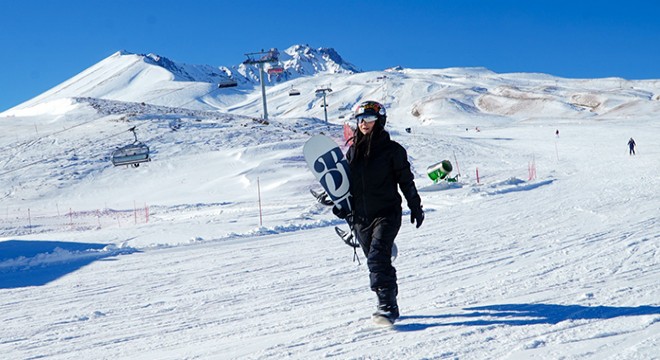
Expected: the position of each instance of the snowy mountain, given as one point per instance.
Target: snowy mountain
(156, 79)
(301, 60)
(546, 248)
(452, 93)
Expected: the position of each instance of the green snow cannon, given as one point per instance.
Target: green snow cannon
(439, 171)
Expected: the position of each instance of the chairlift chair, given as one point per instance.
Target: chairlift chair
(275, 70)
(294, 92)
(227, 83)
(132, 154)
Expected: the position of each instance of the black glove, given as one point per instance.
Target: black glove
(417, 214)
(340, 213)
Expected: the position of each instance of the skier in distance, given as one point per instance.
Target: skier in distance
(631, 146)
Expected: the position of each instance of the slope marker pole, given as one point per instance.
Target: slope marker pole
(259, 195)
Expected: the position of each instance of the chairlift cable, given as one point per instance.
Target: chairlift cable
(22, 167)
(29, 143)
(184, 104)
(175, 90)
(34, 141)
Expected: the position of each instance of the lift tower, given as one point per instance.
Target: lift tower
(270, 56)
(321, 92)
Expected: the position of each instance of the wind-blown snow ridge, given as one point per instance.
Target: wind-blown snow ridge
(512, 185)
(61, 256)
(281, 229)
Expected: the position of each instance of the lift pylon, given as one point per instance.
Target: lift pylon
(270, 56)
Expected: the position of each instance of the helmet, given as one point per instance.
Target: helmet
(367, 108)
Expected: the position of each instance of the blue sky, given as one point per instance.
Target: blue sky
(47, 42)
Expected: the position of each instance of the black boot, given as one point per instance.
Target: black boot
(387, 306)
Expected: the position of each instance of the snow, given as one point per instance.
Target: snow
(215, 248)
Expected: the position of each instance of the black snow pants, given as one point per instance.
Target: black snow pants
(376, 240)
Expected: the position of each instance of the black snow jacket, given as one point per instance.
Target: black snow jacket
(374, 178)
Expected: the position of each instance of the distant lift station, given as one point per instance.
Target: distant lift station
(132, 154)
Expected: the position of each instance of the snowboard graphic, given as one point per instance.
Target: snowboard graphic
(328, 164)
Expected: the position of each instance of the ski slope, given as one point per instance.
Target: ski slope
(216, 250)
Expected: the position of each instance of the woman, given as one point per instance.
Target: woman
(378, 165)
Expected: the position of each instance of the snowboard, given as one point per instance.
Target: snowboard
(328, 164)
(346, 236)
(330, 167)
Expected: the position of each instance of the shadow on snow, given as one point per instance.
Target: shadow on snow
(36, 263)
(525, 314)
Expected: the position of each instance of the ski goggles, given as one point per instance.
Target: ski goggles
(366, 118)
(370, 107)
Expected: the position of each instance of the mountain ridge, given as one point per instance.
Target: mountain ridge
(121, 70)
(456, 94)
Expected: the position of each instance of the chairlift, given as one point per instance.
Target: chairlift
(275, 70)
(227, 83)
(270, 56)
(132, 154)
(294, 92)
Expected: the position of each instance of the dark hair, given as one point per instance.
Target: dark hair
(362, 143)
